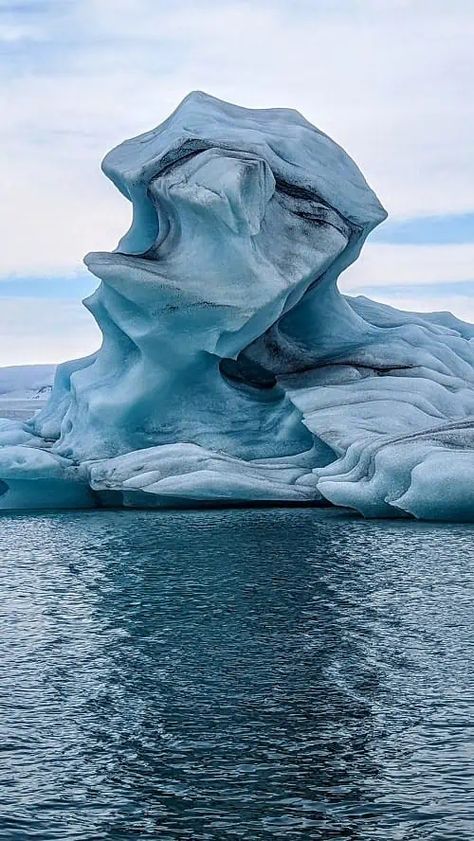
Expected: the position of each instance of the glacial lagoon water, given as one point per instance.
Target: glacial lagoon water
(247, 674)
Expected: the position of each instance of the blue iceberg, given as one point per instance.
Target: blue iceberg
(232, 370)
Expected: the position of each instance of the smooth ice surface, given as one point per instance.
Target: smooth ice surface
(231, 368)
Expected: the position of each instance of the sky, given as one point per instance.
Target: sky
(390, 80)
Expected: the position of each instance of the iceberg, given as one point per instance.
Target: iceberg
(232, 370)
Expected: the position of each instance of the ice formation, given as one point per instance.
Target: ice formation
(232, 369)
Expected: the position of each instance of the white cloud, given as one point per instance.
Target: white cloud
(389, 81)
(462, 306)
(37, 331)
(13, 32)
(409, 265)
(397, 275)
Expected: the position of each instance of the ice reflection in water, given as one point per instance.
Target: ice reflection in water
(235, 674)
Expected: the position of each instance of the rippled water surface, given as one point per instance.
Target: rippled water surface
(250, 674)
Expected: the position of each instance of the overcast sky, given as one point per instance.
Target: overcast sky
(391, 80)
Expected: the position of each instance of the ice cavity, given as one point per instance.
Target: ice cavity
(231, 368)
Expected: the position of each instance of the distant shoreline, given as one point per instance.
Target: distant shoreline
(20, 408)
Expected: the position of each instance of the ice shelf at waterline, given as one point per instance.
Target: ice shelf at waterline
(232, 368)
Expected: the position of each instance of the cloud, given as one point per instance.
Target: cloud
(35, 331)
(407, 265)
(14, 33)
(424, 278)
(434, 230)
(72, 287)
(413, 300)
(387, 80)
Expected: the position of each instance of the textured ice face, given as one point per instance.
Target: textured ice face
(222, 245)
(226, 246)
(237, 209)
(231, 367)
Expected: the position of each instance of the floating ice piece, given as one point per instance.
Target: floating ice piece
(232, 369)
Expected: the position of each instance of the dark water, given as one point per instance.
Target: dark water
(236, 674)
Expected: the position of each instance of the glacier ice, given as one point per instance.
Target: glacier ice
(232, 369)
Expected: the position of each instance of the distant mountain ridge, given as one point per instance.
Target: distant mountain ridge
(24, 382)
